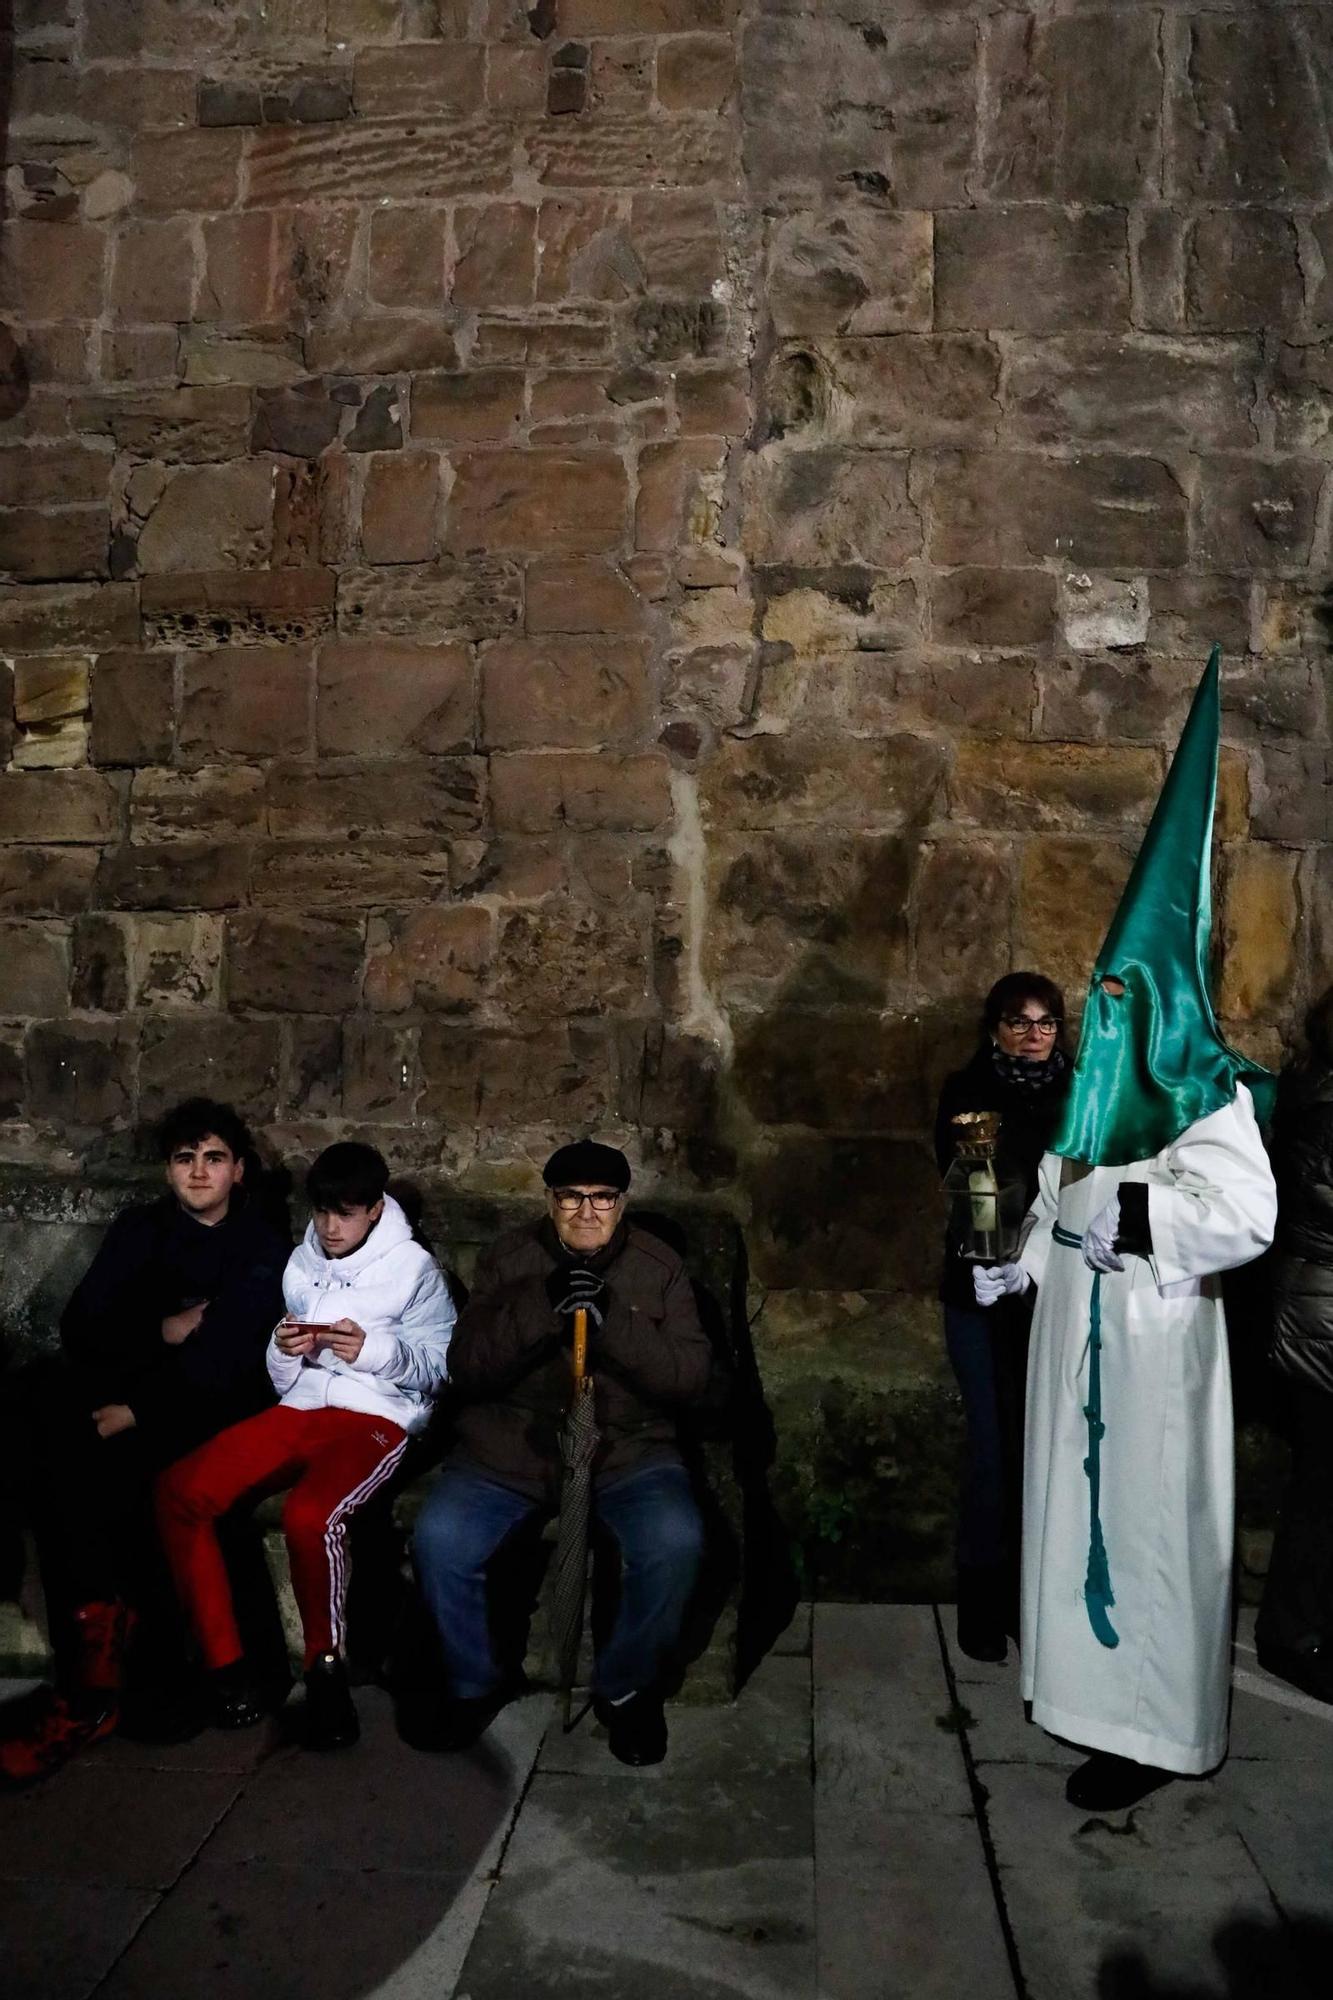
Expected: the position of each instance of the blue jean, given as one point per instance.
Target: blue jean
(653, 1519)
(988, 1349)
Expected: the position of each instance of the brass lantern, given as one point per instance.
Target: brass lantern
(986, 1204)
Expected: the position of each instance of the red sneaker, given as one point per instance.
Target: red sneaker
(58, 1734)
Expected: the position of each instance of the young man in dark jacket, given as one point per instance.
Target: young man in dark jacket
(164, 1341)
(650, 1359)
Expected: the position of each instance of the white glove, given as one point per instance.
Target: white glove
(1099, 1239)
(997, 1281)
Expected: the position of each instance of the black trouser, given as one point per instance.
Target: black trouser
(89, 1503)
(1297, 1609)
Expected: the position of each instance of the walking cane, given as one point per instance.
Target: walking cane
(578, 1445)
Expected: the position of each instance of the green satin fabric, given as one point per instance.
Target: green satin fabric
(1152, 1060)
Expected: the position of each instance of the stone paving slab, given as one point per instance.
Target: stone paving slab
(764, 1734)
(238, 1932)
(58, 1938)
(380, 1804)
(905, 1902)
(680, 1891)
(88, 1825)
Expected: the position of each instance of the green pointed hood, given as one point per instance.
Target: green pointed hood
(1151, 1060)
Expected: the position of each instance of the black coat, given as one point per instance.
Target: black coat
(1303, 1259)
(650, 1359)
(1027, 1121)
(153, 1261)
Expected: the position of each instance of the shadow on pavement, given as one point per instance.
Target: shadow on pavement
(1257, 1961)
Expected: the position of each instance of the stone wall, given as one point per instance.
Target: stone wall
(610, 565)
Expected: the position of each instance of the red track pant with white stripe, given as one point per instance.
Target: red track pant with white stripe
(333, 1460)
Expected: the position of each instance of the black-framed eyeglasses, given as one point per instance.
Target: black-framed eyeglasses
(570, 1200)
(1045, 1024)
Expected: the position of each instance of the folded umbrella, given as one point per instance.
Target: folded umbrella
(579, 1438)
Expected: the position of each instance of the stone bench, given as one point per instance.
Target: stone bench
(51, 1227)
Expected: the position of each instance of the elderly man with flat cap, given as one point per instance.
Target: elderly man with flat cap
(509, 1362)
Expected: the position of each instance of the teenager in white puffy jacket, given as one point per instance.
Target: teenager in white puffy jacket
(355, 1364)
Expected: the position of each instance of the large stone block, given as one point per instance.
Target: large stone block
(1257, 514)
(68, 617)
(438, 958)
(210, 517)
(1242, 271)
(904, 389)
(539, 792)
(294, 964)
(779, 781)
(100, 969)
(1106, 510)
(174, 875)
(380, 699)
(1133, 392)
(80, 1072)
(400, 508)
(565, 692)
(52, 272)
(1067, 894)
(965, 893)
(992, 607)
(562, 1078)
(1130, 696)
(473, 599)
(219, 608)
(1031, 268)
(175, 961)
(211, 1055)
(468, 406)
(573, 596)
(495, 261)
(418, 79)
(885, 108)
(560, 959)
(832, 1072)
(1035, 787)
(46, 881)
(37, 970)
(202, 424)
(429, 159)
(830, 505)
(679, 501)
(168, 804)
(58, 808)
(1261, 928)
(632, 151)
(54, 475)
(537, 501)
(378, 1070)
(358, 875)
(1300, 395)
(1251, 98)
(407, 256)
(439, 798)
(153, 274)
(59, 542)
(851, 267)
(187, 169)
(1075, 107)
(1292, 801)
(245, 702)
(824, 1216)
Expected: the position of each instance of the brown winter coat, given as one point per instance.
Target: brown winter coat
(509, 1358)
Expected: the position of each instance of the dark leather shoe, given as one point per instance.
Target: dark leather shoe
(330, 1721)
(1107, 1783)
(1309, 1668)
(437, 1721)
(232, 1700)
(636, 1730)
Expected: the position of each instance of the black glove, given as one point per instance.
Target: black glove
(574, 1287)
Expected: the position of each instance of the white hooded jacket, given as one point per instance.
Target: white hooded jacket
(394, 1291)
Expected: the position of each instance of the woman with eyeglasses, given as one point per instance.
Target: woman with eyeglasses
(1021, 1070)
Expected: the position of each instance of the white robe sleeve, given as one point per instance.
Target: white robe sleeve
(1219, 1208)
(1035, 1244)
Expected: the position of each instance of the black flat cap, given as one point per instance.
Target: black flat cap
(586, 1164)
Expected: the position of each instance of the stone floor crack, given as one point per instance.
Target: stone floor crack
(979, 1807)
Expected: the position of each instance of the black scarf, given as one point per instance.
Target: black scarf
(1029, 1076)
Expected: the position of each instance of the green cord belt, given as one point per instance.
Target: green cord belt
(1097, 1593)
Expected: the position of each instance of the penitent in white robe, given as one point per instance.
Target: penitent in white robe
(1160, 1696)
